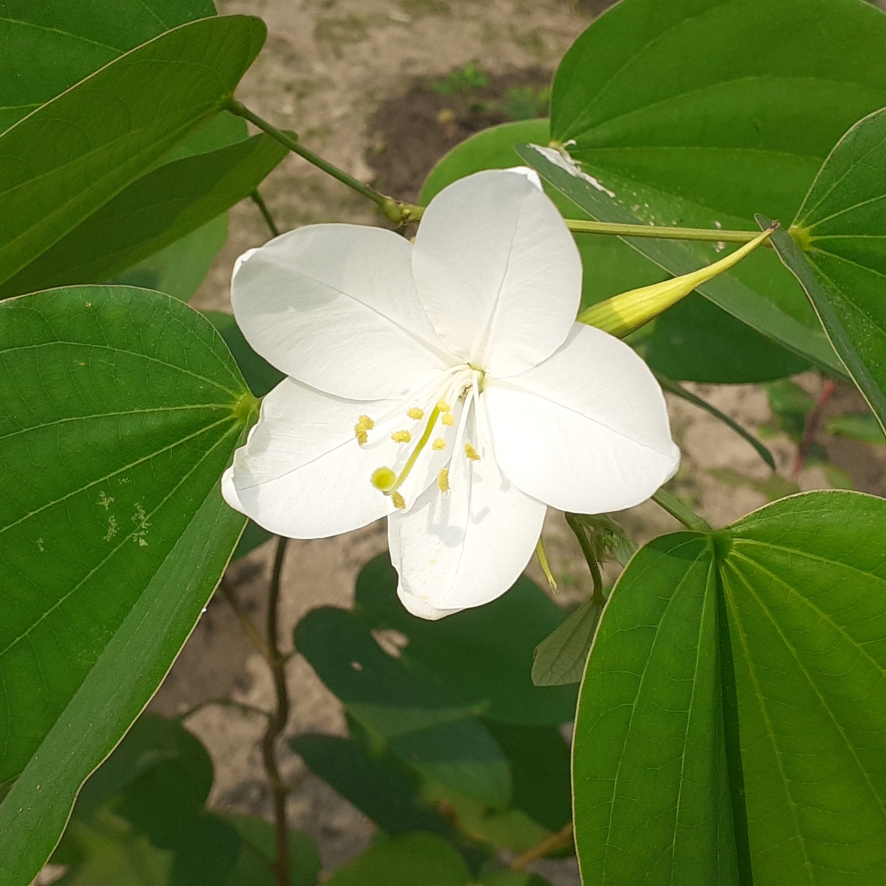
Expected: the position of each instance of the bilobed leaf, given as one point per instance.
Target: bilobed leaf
(805, 586)
(69, 157)
(695, 340)
(734, 705)
(701, 113)
(727, 290)
(842, 229)
(420, 721)
(861, 349)
(652, 801)
(51, 45)
(121, 409)
(152, 213)
(405, 861)
(484, 667)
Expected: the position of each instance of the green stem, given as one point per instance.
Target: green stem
(681, 511)
(396, 212)
(277, 723)
(588, 550)
(265, 213)
(579, 226)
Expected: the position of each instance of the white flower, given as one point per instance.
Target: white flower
(445, 385)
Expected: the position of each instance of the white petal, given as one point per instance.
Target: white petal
(587, 430)
(335, 307)
(422, 609)
(465, 547)
(497, 271)
(302, 473)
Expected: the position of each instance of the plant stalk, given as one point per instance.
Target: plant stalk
(681, 511)
(277, 722)
(579, 226)
(397, 212)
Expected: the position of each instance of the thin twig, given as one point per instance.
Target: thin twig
(395, 210)
(550, 844)
(277, 722)
(813, 423)
(265, 213)
(224, 703)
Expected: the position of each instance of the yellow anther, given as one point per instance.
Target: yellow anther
(399, 501)
(471, 453)
(383, 479)
(401, 437)
(443, 480)
(364, 424)
(416, 413)
(438, 444)
(447, 418)
(443, 406)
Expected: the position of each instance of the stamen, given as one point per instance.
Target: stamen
(401, 437)
(364, 424)
(438, 444)
(416, 413)
(471, 453)
(447, 418)
(398, 501)
(383, 479)
(443, 480)
(443, 406)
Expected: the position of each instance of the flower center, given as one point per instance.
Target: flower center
(434, 407)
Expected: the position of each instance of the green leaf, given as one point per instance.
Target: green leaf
(74, 154)
(121, 409)
(375, 781)
(701, 113)
(49, 46)
(484, 667)
(181, 268)
(856, 336)
(152, 213)
(734, 705)
(805, 586)
(258, 844)
(404, 861)
(697, 341)
(259, 374)
(694, 340)
(725, 290)
(652, 801)
(560, 658)
(420, 721)
(842, 228)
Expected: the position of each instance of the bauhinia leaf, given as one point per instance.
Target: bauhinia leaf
(69, 157)
(839, 254)
(121, 409)
(152, 213)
